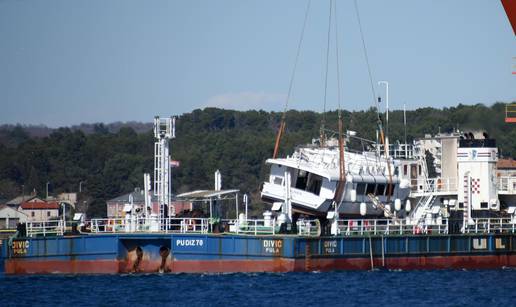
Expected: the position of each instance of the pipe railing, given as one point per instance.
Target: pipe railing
(45, 228)
(346, 227)
(253, 227)
(130, 225)
(359, 227)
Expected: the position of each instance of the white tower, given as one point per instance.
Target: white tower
(164, 130)
(477, 170)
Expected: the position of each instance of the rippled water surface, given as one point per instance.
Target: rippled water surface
(429, 288)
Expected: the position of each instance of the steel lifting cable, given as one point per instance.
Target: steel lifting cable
(283, 116)
(323, 120)
(379, 121)
(342, 165)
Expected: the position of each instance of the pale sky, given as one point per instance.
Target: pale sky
(67, 62)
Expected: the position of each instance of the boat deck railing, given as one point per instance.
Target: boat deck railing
(182, 225)
(505, 185)
(386, 227)
(491, 225)
(45, 228)
(362, 227)
(143, 225)
(252, 227)
(312, 228)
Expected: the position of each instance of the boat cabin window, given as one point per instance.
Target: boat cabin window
(278, 180)
(405, 170)
(314, 184)
(420, 170)
(302, 177)
(361, 187)
(309, 182)
(370, 188)
(380, 189)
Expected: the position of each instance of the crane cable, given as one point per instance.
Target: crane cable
(322, 136)
(342, 166)
(283, 116)
(379, 120)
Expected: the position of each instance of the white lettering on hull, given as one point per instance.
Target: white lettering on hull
(189, 242)
(272, 246)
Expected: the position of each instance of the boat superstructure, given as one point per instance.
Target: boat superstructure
(466, 181)
(314, 177)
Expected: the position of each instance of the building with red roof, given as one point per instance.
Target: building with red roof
(37, 210)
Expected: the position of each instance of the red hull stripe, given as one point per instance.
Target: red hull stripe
(17, 266)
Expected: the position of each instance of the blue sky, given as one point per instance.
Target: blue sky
(67, 62)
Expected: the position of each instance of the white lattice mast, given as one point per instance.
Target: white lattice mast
(164, 131)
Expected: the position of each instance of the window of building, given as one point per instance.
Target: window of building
(48, 213)
(32, 214)
(483, 205)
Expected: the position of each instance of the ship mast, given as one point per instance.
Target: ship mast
(164, 131)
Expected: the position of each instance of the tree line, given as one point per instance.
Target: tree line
(108, 163)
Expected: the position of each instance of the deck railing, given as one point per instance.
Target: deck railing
(254, 227)
(491, 225)
(388, 227)
(178, 225)
(45, 228)
(435, 185)
(349, 227)
(402, 227)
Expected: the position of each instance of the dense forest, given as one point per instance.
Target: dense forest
(110, 160)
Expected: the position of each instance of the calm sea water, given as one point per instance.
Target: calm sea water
(428, 288)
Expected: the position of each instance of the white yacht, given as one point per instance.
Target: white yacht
(308, 180)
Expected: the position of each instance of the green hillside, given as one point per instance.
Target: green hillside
(111, 163)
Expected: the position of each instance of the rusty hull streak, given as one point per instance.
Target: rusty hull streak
(19, 266)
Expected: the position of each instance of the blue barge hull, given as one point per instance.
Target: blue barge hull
(125, 253)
